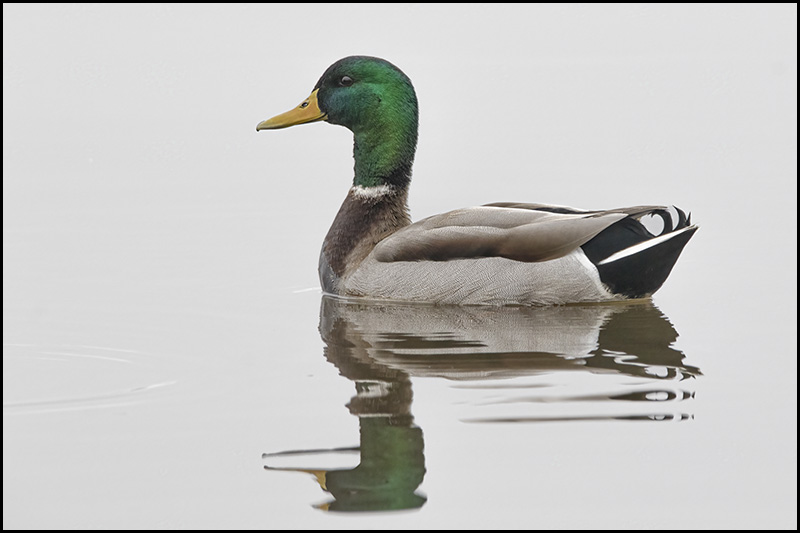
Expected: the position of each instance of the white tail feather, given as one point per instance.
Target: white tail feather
(636, 248)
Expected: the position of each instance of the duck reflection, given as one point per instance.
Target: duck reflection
(380, 346)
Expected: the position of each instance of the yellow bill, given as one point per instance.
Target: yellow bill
(308, 111)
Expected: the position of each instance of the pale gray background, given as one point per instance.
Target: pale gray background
(148, 228)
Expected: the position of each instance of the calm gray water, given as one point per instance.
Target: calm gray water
(169, 360)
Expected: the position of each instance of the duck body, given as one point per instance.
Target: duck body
(498, 254)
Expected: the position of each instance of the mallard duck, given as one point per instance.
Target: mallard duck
(498, 253)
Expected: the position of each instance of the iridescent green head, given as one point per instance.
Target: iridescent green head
(376, 101)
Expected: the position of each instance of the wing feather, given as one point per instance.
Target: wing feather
(518, 233)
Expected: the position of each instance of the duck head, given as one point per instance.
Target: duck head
(377, 102)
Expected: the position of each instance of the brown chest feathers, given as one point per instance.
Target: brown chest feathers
(366, 217)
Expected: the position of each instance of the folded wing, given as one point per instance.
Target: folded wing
(522, 232)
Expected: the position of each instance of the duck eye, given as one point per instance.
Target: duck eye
(345, 81)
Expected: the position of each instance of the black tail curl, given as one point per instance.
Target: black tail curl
(642, 272)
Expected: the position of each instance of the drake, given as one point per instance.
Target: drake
(499, 253)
